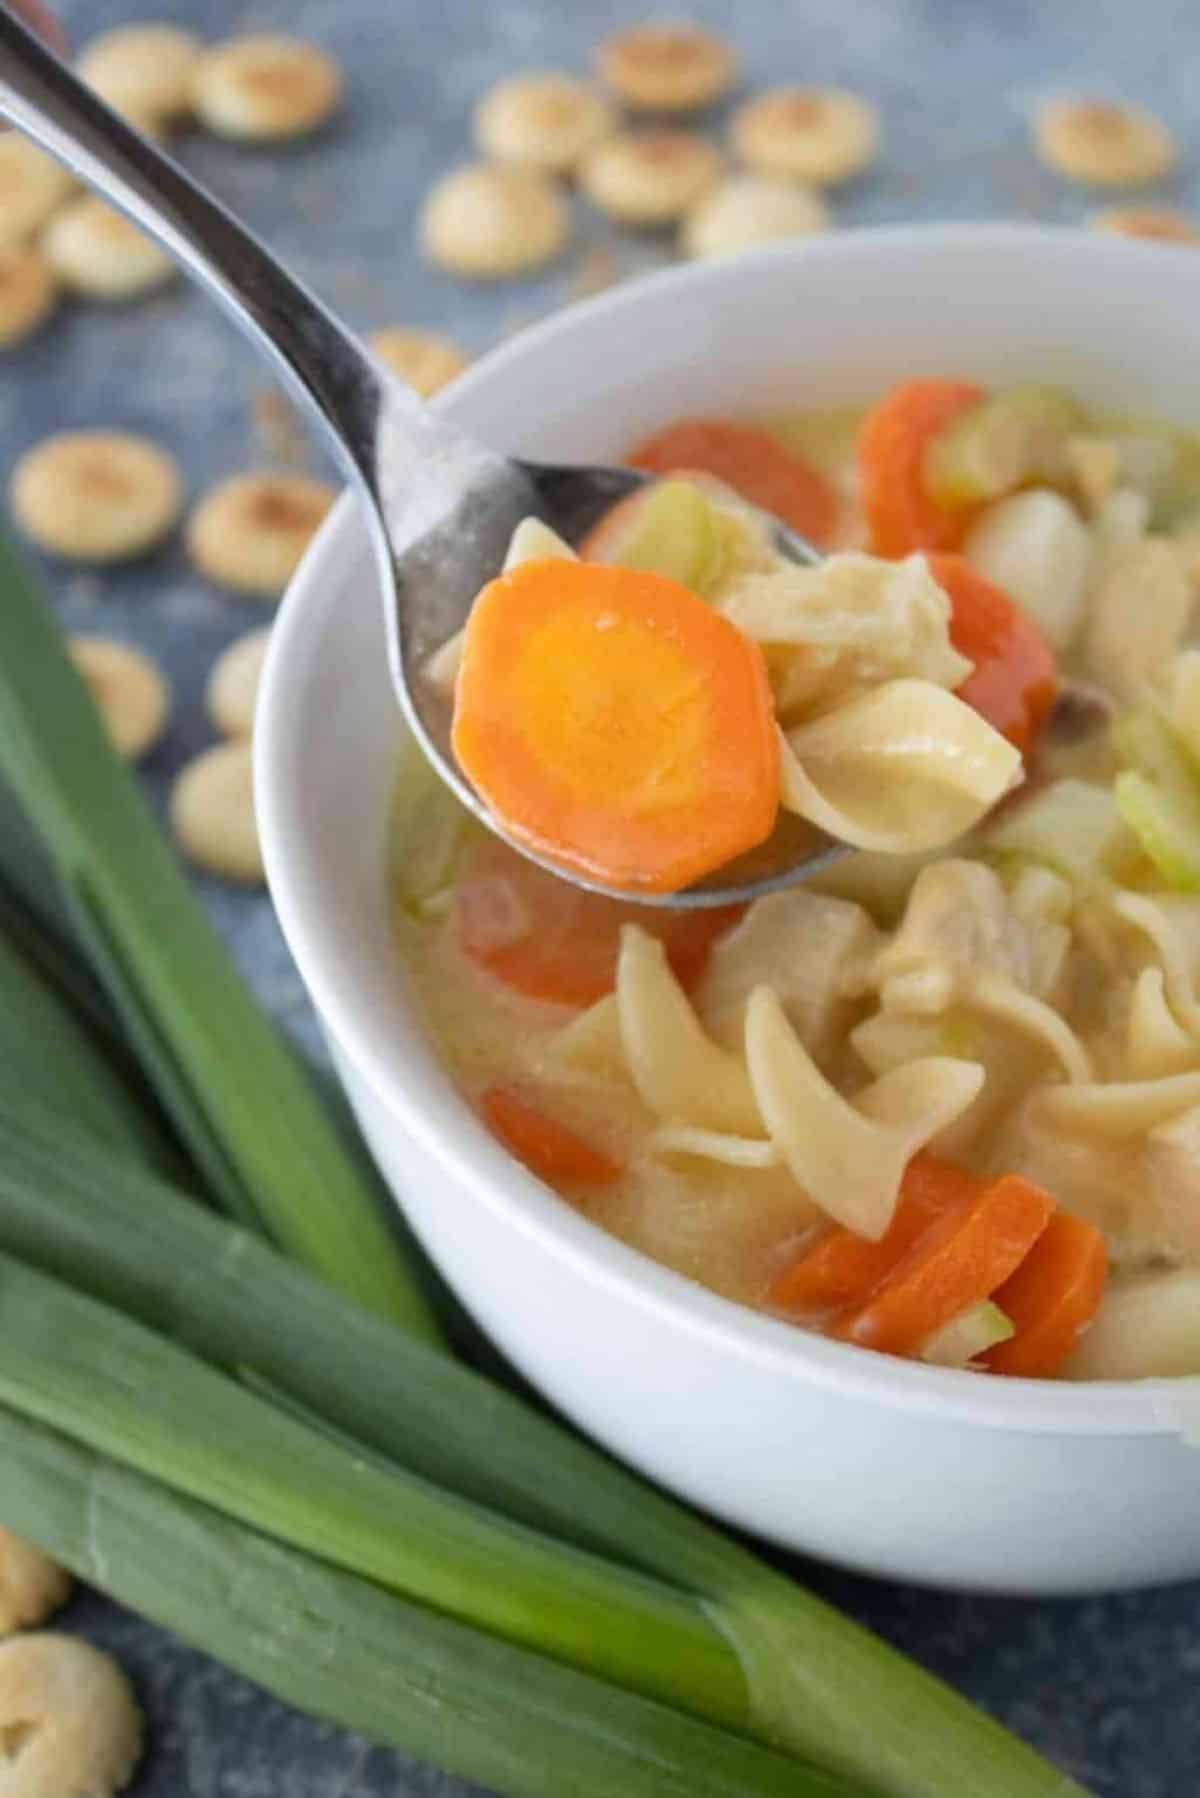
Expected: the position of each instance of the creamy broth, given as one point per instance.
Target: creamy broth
(1091, 948)
(729, 1228)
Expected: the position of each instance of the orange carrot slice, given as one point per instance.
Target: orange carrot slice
(616, 723)
(891, 467)
(548, 1149)
(962, 1258)
(841, 1267)
(1051, 1299)
(554, 942)
(1015, 677)
(752, 462)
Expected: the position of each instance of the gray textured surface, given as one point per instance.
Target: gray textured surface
(1106, 1687)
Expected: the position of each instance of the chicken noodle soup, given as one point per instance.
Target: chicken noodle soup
(643, 713)
(944, 1100)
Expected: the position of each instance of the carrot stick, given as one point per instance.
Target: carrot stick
(841, 1267)
(548, 1149)
(962, 1258)
(616, 723)
(555, 942)
(891, 466)
(753, 463)
(1015, 678)
(1051, 1299)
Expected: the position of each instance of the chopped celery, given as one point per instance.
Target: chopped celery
(1158, 796)
(826, 438)
(431, 833)
(958, 1343)
(1013, 437)
(675, 532)
(1168, 831)
(1145, 742)
(1160, 460)
(1072, 826)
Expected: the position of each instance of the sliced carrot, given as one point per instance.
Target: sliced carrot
(962, 1258)
(840, 1267)
(1051, 1299)
(616, 723)
(548, 1149)
(752, 462)
(891, 467)
(552, 941)
(1015, 677)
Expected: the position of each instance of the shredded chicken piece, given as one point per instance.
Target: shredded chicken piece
(960, 923)
(853, 621)
(965, 941)
(815, 952)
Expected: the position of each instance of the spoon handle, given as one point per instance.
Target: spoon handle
(318, 356)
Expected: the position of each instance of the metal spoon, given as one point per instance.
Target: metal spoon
(440, 507)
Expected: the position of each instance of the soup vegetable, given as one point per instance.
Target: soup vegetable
(645, 713)
(944, 1100)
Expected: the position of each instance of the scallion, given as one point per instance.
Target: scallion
(340, 1648)
(236, 1095)
(45, 1048)
(818, 1682)
(109, 1382)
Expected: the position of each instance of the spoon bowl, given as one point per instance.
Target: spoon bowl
(441, 507)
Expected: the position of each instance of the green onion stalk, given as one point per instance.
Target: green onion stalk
(237, 1097)
(800, 1675)
(340, 1648)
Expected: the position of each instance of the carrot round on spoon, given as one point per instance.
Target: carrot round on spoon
(616, 724)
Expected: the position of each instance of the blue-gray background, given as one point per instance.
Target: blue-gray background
(1107, 1687)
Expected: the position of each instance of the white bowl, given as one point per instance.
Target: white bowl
(879, 1464)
